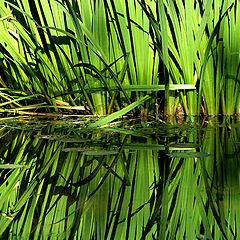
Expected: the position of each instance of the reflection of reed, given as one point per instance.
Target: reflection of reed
(72, 194)
(222, 180)
(140, 190)
(201, 195)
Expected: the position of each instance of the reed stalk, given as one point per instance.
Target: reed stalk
(78, 54)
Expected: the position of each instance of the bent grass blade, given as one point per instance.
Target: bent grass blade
(120, 113)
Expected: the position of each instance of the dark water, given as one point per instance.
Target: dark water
(60, 180)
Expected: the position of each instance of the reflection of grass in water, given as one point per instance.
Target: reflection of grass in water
(137, 192)
(221, 178)
(75, 208)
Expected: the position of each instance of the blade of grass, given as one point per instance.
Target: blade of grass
(118, 114)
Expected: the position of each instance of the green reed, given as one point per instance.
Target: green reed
(198, 46)
(97, 57)
(73, 54)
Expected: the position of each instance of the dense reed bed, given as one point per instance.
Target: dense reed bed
(98, 57)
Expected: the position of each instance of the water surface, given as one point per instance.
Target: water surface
(61, 180)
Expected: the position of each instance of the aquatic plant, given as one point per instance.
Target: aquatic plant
(77, 54)
(97, 57)
(196, 43)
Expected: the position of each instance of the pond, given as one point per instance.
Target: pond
(61, 180)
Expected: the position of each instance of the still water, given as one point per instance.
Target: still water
(61, 180)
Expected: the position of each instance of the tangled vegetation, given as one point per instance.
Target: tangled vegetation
(100, 56)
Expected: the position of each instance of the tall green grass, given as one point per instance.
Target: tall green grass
(198, 46)
(104, 55)
(73, 54)
(230, 62)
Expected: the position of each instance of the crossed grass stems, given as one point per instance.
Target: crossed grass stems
(107, 55)
(98, 57)
(119, 183)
